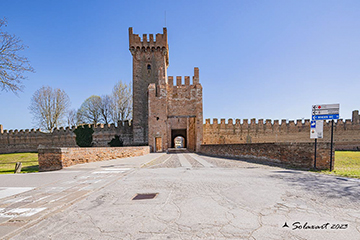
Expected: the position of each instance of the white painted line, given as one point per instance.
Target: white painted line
(55, 189)
(115, 169)
(83, 177)
(41, 199)
(15, 200)
(91, 181)
(111, 170)
(183, 161)
(201, 161)
(9, 191)
(57, 199)
(19, 212)
(107, 172)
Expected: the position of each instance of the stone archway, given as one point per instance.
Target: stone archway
(178, 133)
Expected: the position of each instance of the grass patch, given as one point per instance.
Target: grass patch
(29, 162)
(347, 164)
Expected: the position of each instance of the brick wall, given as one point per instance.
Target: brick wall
(290, 154)
(12, 141)
(346, 133)
(56, 158)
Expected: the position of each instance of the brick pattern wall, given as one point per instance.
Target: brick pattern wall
(28, 140)
(292, 154)
(346, 133)
(56, 158)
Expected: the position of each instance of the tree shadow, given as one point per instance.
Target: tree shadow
(328, 186)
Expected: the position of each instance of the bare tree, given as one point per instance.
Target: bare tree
(89, 111)
(49, 107)
(72, 118)
(12, 65)
(106, 108)
(121, 102)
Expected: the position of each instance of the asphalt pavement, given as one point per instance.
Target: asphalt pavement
(178, 196)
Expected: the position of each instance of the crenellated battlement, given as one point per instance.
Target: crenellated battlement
(347, 132)
(184, 89)
(28, 140)
(125, 125)
(271, 123)
(148, 42)
(186, 81)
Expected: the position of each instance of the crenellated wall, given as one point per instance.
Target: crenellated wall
(28, 140)
(175, 110)
(346, 133)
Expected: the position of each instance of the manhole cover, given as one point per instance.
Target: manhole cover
(141, 196)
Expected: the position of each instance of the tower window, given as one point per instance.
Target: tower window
(149, 67)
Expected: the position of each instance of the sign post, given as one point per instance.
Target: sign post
(324, 112)
(316, 131)
(331, 148)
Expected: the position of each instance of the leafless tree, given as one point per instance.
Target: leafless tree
(89, 111)
(106, 108)
(49, 107)
(121, 102)
(72, 118)
(12, 65)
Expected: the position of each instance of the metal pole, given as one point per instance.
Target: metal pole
(331, 148)
(315, 154)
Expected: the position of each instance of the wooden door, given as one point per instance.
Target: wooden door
(158, 144)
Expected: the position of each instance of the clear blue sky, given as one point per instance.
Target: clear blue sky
(257, 59)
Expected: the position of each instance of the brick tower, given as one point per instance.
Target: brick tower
(150, 62)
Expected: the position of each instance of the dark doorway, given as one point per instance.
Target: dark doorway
(176, 133)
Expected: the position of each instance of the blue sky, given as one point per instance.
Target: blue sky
(257, 59)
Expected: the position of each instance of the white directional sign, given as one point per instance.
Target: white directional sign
(316, 129)
(325, 111)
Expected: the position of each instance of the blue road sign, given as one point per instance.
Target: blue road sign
(313, 124)
(325, 117)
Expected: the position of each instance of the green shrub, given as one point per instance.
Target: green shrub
(84, 136)
(116, 142)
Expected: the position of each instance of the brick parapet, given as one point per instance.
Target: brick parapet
(56, 158)
(26, 140)
(346, 133)
(291, 154)
(148, 40)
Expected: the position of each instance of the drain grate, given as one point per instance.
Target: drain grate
(142, 196)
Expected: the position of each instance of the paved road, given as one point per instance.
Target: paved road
(197, 197)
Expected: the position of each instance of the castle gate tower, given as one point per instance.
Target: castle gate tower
(150, 62)
(176, 111)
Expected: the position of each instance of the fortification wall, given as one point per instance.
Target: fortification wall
(346, 133)
(290, 154)
(13, 141)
